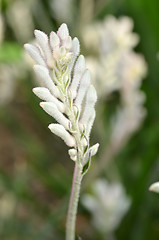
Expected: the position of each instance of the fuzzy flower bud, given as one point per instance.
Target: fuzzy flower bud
(91, 99)
(44, 94)
(94, 149)
(78, 72)
(60, 131)
(53, 111)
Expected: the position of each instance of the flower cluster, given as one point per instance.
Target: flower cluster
(68, 94)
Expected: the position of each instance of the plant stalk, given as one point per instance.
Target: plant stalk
(73, 204)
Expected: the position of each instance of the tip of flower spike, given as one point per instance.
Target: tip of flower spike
(154, 187)
(63, 32)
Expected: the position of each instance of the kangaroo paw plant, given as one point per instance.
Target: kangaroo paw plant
(69, 98)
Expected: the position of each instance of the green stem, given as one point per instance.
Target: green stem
(73, 204)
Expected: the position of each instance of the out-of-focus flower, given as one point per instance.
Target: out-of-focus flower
(7, 83)
(118, 34)
(108, 204)
(154, 187)
(131, 113)
(131, 70)
(62, 10)
(19, 15)
(67, 93)
(110, 35)
(1, 28)
(113, 39)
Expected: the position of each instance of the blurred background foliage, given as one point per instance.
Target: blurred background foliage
(35, 170)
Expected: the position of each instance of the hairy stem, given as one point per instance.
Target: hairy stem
(73, 204)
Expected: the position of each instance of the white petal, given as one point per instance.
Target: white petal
(76, 50)
(60, 131)
(43, 41)
(34, 52)
(53, 111)
(90, 122)
(67, 43)
(154, 187)
(75, 46)
(54, 40)
(91, 99)
(85, 81)
(78, 72)
(93, 150)
(44, 94)
(43, 73)
(63, 32)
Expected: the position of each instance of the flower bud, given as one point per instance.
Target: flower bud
(93, 150)
(60, 131)
(34, 52)
(53, 111)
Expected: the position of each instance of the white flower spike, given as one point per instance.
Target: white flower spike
(67, 92)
